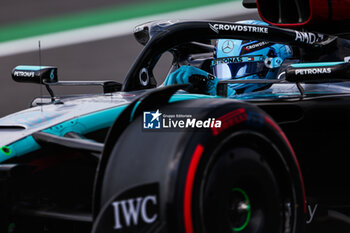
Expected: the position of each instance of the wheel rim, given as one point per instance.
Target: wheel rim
(244, 201)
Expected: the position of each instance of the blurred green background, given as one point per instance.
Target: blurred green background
(86, 39)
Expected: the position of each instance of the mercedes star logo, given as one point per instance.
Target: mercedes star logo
(227, 46)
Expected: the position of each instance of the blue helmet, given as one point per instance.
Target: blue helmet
(242, 59)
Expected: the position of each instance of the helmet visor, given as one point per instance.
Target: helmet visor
(235, 70)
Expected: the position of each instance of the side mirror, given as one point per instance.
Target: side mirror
(35, 74)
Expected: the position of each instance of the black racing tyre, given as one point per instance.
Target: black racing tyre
(241, 178)
(240, 192)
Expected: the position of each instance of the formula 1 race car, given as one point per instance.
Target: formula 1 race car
(148, 157)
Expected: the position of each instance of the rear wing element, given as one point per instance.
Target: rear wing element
(321, 15)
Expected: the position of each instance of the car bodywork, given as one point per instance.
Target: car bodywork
(82, 115)
(59, 159)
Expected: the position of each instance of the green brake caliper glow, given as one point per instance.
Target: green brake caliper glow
(6, 150)
(11, 228)
(246, 208)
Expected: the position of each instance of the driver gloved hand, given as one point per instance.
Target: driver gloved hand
(202, 82)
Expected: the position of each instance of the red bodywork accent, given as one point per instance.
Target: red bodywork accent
(189, 187)
(275, 126)
(230, 119)
(319, 13)
(341, 10)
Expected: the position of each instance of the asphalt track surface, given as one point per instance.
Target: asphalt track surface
(107, 59)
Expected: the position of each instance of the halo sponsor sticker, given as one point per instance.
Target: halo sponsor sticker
(217, 27)
(308, 37)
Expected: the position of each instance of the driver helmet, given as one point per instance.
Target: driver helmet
(247, 59)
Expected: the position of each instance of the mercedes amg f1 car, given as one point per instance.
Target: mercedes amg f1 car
(266, 161)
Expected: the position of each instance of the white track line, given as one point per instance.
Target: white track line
(116, 29)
